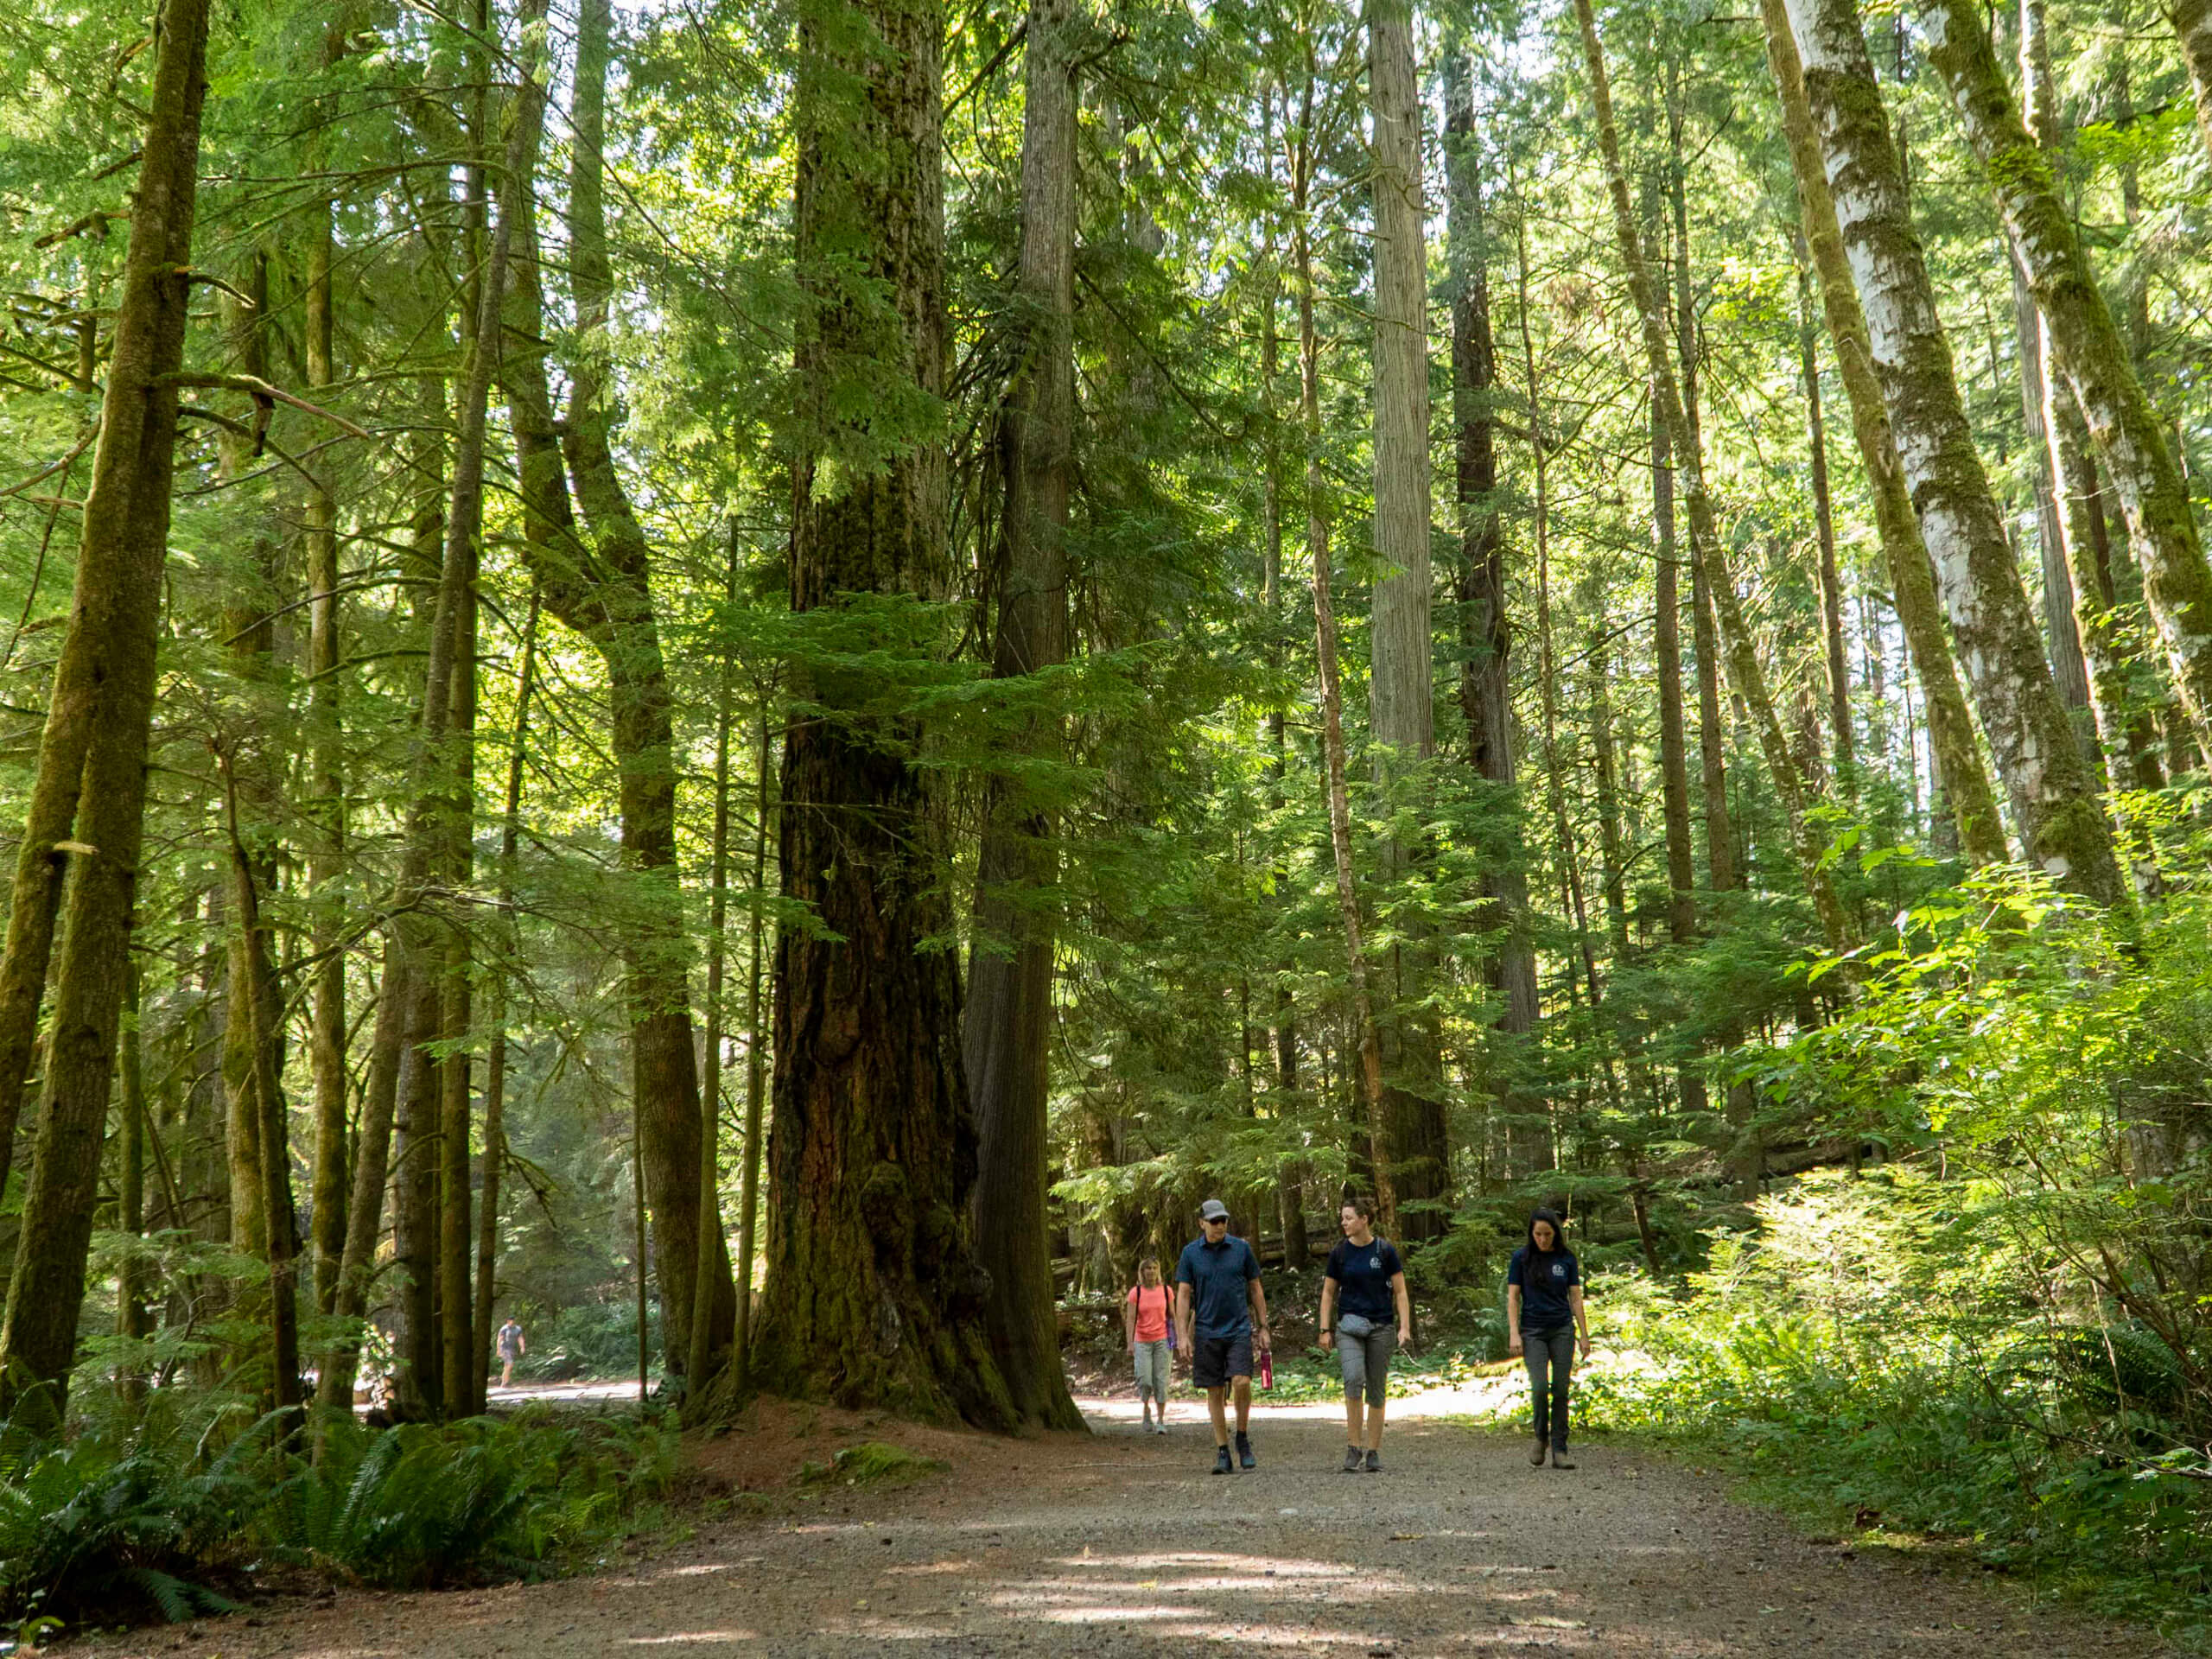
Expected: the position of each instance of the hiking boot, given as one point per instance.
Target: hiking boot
(1221, 1463)
(1373, 1461)
(1352, 1459)
(1244, 1450)
(1536, 1458)
(1559, 1460)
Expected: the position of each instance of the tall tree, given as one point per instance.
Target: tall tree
(1402, 717)
(2053, 796)
(82, 834)
(2090, 353)
(1746, 674)
(1912, 574)
(1485, 632)
(874, 1293)
(1009, 1032)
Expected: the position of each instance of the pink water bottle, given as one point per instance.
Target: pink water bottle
(1266, 1368)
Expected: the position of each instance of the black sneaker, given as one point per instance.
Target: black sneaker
(1244, 1451)
(1374, 1462)
(1352, 1459)
(1221, 1463)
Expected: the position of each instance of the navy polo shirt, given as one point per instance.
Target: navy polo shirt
(1217, 1274)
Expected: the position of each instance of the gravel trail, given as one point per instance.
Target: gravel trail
(1119, 1545)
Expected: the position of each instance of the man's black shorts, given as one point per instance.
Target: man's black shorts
(1214, 1360)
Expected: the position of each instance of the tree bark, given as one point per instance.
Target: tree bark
(2192, 22)
(1746, 676)
(875, 1295)
(1705, 632)
(1401, 716)
(1831, 580)
(703, 1366)
(495, 1019)
(1912, 574)
(1485, 632)
(1009, 1021)
(1332, 724)
(2053, 797)
(2089, 352)
(85, 821)
(326, 726)
(756, 1046)
(604, 592)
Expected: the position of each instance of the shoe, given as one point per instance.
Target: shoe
(1374, 1462)
(1159, 1427)
(1221, 1463)
(1559, 1460)
(1244, 1451)
(1147, 1429)
(1352, 1459)
(1536, 1458)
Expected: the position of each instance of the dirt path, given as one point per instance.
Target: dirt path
(1120, 1544)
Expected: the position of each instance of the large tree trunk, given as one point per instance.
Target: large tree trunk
(2054, 799)
(1746, 674)
(1912, 574)
(86, 818)
(1486, 634)
(1370, 1091)
(1009, 1033)
(2089, 352)
(1401, 716)
(326, 850)
(874, 1294)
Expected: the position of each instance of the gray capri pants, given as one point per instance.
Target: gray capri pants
(1152, 1359)
(1366, 1360)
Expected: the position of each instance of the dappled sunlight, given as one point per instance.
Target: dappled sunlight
(681, 1639)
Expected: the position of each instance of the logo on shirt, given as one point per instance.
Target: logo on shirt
(1558, 1269)
(1375, 1261)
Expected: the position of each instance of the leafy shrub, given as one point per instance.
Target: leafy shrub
(872, 1463)
(145, 1517)
(586, 1339)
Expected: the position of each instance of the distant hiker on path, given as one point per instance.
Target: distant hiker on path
(1144, 1328)
(1218, 1307)
(1366, 1315)
(1544, 1312)
(512, 1348)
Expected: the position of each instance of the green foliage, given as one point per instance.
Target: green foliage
(158, 1514)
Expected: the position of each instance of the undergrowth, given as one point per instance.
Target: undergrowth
(171, 1510)
(1871, 1376)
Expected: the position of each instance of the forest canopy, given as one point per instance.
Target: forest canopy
(759, 683)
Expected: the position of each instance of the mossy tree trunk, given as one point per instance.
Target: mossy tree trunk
(2089, 352)
(84, 825)
(1912, 574)
(874, 1293)
(2054, 799)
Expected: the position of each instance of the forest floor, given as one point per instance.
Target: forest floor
(1120, 1544)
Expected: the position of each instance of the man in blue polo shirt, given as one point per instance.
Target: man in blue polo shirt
(1219, 1305)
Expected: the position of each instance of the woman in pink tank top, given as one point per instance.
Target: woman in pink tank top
(1150, 1336)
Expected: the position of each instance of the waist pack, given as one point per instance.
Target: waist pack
(1357, 1325)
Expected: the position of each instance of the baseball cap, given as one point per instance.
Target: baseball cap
(1213, 1210)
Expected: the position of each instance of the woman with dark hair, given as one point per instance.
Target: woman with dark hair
(1366, 1315)
(1543, 1312)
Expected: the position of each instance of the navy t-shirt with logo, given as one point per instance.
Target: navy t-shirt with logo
(1217, 1274)
(1363, 1273)
(1544, 1281)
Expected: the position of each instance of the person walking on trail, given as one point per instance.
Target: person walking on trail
(512, 1348)
(1543, 1316)
(1151, 1340)
(1366, 1315)
(1221, 1312)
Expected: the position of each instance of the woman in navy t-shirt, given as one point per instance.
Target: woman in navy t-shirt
(1366, 1315)
(1544, 1312)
